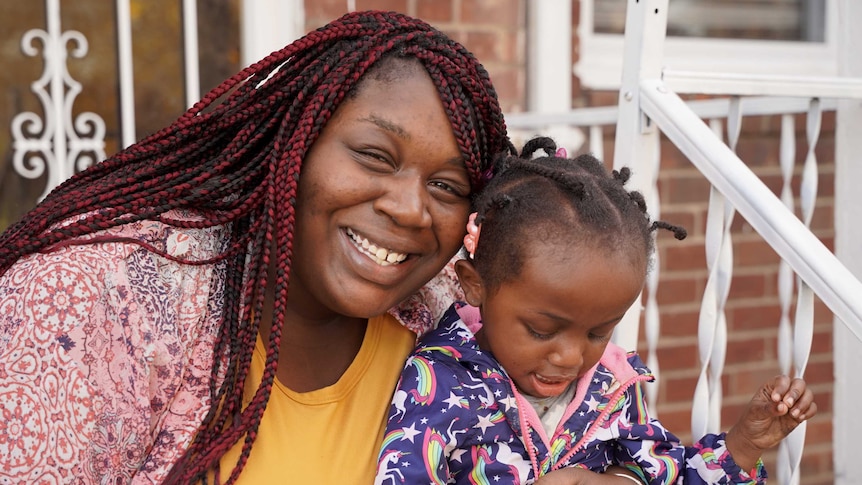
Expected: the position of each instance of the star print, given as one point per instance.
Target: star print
(593, 404)
(509, 401)
(484, 423)
(498, 393)
(456, 455)
(453, 400)
(409, 433)
(423, 420)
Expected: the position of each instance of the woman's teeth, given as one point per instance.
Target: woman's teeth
(381, 256)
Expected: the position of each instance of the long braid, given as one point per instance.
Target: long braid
(235, 158)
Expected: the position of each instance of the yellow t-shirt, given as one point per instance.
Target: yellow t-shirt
(330, 435)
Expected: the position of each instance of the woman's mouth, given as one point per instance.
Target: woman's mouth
(380, 255)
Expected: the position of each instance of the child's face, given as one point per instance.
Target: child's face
(550, 324)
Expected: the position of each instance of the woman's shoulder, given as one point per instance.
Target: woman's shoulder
(121, 269)
(129, 330)
(421, 311)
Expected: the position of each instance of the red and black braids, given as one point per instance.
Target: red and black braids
(235, 158)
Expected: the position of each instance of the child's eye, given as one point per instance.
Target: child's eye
(539, 335)
(600, 338)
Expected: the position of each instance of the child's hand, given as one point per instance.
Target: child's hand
(774, 411)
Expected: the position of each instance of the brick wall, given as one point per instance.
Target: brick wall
(492, 29)
(495, 31)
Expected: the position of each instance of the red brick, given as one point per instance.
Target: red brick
(757, 151)
(678, 324)
(820, 372)
(435, 11)
(677, 291)
(747, 351)
(675, 357)
(486, 46)
(509, 83)
(753, 252)
(685, 189)
(319, 12)
(684, 256)
(756, 316)
(751, 285)
(745, 381)
(394, 5)
(678, 388)
(500, 13)
(671, 157)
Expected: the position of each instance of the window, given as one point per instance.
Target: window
(779, 37)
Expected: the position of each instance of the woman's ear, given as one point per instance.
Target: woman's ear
(471, 282)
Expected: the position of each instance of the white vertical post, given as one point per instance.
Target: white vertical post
(269, 25)
(637, 141)
(847, 427)
(549, 66)
(128, 133)
(191, 54)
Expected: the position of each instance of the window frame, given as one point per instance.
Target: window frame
(599, 65)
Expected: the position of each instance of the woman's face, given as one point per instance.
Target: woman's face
(383, 199)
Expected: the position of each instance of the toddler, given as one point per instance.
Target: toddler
(521, 381)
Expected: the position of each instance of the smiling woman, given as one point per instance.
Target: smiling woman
(243, 279)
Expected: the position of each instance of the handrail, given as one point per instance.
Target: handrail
(705, 108)
(810, 259)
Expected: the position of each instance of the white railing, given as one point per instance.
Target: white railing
(59, 144)
(649, 105)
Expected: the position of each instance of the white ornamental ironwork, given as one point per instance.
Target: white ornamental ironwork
(61, 144)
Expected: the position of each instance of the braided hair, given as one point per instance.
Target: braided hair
(235, 158)
(576, 202)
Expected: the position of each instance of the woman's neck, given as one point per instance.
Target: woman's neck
(314, 352)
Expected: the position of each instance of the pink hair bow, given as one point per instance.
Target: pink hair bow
(471, 240)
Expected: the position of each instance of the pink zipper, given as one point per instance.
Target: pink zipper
(602, 417)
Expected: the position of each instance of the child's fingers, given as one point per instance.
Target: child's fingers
(805, 407)
(780, 386)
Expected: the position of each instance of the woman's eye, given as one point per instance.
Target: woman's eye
(459, 190)
(374, 159)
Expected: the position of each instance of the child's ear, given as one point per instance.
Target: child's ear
(471, 282)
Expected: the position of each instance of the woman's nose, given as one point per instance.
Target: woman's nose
(405, 200)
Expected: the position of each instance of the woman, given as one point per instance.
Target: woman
(213, 300)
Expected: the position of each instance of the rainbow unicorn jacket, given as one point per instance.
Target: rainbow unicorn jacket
(457, 418)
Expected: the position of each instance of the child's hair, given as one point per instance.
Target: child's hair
(576, 202)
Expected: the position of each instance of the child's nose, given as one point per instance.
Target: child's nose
(568, 355)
